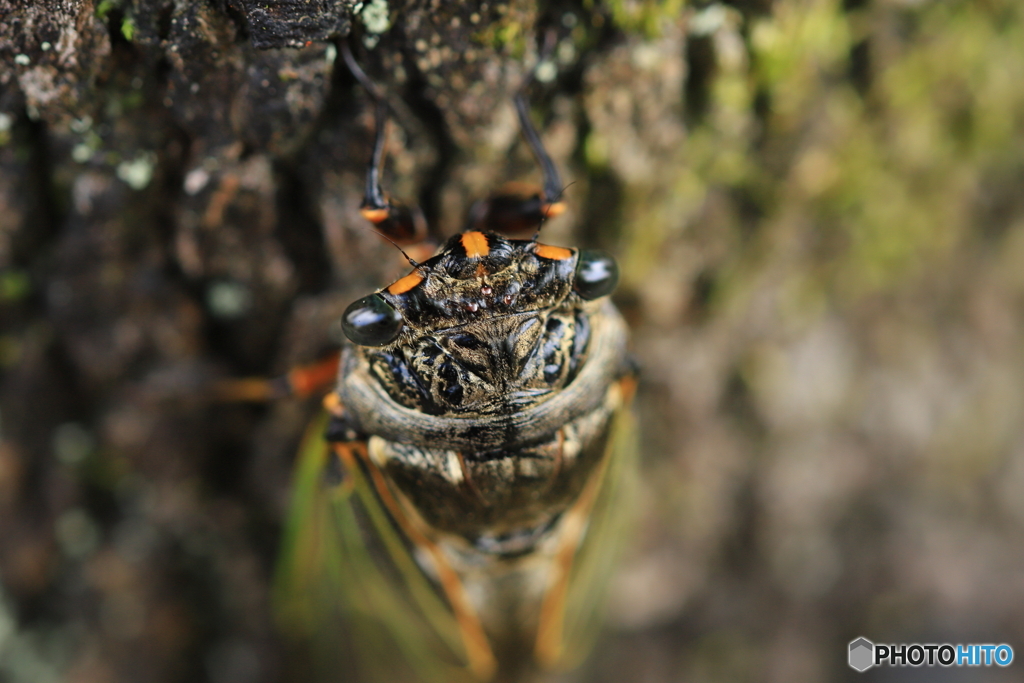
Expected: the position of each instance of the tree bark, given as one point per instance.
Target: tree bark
(816, 206)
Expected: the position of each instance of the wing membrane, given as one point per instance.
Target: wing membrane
(607, 531)
(349, 584)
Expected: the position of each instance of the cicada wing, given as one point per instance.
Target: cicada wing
(348, 582)
(603, 543)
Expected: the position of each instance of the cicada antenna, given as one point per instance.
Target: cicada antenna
(414, 263)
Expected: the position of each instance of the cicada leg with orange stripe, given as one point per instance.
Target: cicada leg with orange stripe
(301, 382)
(404, 225)
(520, 207)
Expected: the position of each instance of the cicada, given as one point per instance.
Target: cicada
(461, 517)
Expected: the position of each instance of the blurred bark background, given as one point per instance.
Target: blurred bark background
(818, 208)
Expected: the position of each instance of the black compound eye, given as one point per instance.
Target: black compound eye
(371, 321)
(596, 274)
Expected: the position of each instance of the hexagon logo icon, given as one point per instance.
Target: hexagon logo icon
(862, 654)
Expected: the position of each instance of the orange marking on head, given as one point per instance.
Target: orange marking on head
(374, 215)
(403, 285)
(475, 244)
(554, 253)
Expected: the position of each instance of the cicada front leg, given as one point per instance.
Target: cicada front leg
(301, 382)
(519, 207)
(404, 225)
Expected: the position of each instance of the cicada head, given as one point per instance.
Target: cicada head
(486, 318)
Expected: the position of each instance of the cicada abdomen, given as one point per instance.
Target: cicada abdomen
(462, 515)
